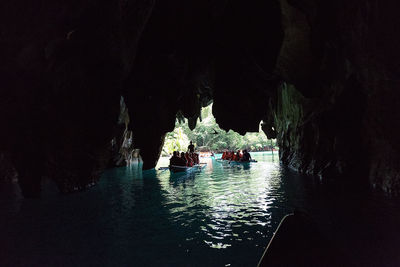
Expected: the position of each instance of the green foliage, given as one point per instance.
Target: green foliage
(176, 140)
(208, 134)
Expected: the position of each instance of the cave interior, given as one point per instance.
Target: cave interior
(321, 75)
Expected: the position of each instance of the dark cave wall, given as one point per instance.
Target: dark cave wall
(336, 114)
(61, 72)
(319, 136)
(163, 79)
(245, 80)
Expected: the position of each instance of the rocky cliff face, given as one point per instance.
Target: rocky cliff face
(336, 115)
(321, 75)
(61, 74)
(319, 137)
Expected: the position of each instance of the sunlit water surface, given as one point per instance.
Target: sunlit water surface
(223, 215)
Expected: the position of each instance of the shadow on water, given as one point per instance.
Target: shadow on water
(358, 225)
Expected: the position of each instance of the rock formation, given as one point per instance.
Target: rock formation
(335, 114)
(321, 75)
(122, 147)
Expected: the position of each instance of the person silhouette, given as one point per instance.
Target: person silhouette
(191, 147)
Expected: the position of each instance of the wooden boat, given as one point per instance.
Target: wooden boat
(175, 168)
(298, 242)
(236, 162)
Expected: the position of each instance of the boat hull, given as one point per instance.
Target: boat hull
(174, 168)
(236, 162)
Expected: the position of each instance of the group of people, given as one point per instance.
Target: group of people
(238, 156)
(190, 158)
(185, 159)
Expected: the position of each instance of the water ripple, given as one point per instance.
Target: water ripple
(221, 216)
(226, 205)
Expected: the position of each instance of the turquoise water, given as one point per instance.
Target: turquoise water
(221, 216)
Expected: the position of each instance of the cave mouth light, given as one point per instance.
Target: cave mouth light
(208, 136)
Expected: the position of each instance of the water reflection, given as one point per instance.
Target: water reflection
(219, 216)
(228, 205)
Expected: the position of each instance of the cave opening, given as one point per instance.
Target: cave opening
(207, 136)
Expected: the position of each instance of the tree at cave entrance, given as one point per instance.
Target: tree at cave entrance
(209, 136)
